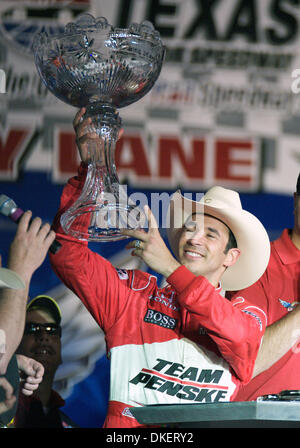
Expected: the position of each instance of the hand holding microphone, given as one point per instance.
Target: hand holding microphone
(9, 208)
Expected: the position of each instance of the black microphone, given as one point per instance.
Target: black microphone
(9, 208)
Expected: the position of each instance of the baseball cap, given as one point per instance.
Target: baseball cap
(10, 279)
(298, 185)
(46, 303)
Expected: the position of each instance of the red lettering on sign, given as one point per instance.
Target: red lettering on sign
(171, 151)
(68, 153)
(137, 163)
(232, 158)
(11, 149)
(169, 160)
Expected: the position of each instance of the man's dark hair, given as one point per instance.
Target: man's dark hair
(231, 241)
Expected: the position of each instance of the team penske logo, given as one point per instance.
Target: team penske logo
(183, 382)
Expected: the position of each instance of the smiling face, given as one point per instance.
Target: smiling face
(44, 348)
(202, 247)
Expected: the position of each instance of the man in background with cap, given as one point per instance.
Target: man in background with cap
(42, 342)
(183, 343)
(277, 292)
(27, 252)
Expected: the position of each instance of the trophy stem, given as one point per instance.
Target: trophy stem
(102, 209)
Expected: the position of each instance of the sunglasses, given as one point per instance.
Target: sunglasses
(34, 328)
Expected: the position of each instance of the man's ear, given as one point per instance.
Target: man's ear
(232, 256)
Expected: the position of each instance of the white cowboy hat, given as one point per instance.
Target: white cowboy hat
(251, 236)
(10, 279)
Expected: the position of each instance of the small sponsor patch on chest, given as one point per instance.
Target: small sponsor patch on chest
(161, 319)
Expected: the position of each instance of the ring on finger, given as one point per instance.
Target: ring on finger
(137, 244)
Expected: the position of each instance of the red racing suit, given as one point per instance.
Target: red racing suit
(277, 291)
(183, 343)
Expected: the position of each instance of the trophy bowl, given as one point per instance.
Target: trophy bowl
(102, 68)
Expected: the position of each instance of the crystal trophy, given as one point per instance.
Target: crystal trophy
(102, 68)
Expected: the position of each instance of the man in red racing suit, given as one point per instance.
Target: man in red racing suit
(183, 343)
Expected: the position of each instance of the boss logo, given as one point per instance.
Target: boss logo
(161, 319)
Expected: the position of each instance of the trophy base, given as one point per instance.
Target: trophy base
(102, 223)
